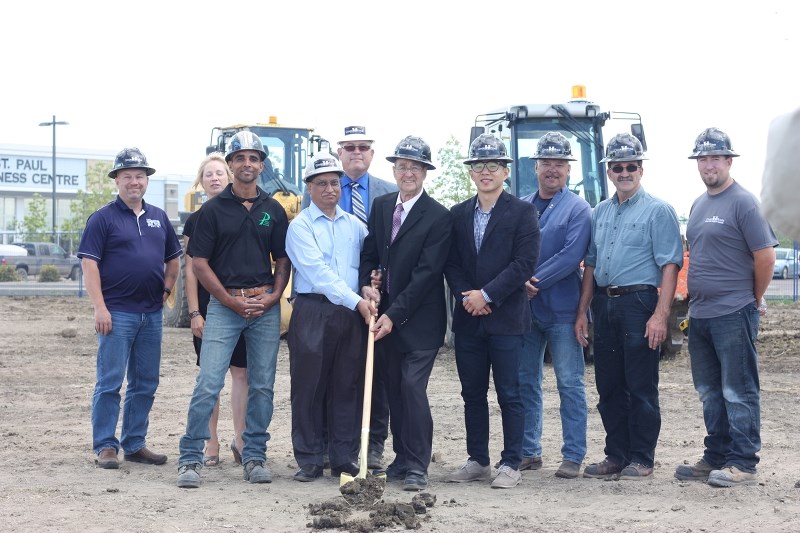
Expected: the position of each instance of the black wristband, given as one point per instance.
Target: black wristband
(194, 314)
(168, 291)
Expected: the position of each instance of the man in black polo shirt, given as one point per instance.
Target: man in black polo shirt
(235, 235)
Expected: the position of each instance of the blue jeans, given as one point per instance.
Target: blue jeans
(724, 361)
(133, 346)
(476, 354)
(568, 365)
(221, 333)
(626, 375)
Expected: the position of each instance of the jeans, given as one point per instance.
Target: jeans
(476, 354)
(262, 337)
(626, 375)
(133, 346)
(725, 372)
(569, 368)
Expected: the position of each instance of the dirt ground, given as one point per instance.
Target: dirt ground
(48, 479)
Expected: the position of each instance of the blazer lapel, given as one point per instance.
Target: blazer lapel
(413, 216)
(499, 211)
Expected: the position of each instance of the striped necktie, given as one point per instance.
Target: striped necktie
(396, 218)
(358, 203)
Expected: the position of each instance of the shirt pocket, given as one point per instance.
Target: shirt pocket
(633, 234)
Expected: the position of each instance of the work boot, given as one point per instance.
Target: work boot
(730, 476)
(256, 472)
(696, 472)
(107, 458)
(568, 470)
(636, 472)
(189, 476)
(606, 469)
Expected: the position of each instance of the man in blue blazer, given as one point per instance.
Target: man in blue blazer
(409, 239)
(493, 253)
(356, 152)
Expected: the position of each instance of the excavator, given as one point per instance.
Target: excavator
(582, 122)
(288, 150)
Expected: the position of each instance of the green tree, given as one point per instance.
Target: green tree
(100, 190)
(453, 185)
(34, 222)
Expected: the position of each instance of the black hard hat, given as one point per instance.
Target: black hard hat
(414, 149)
(623, 147)
(130, 158)
(487, 147)
(245, 140)
(553, 145)
(712, 141)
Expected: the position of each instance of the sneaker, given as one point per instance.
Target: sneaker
(603, 470)
(507, 478)
(730, 476)
(568, 470)
(527, 463)
(189, 476)
(636, 472)
(696, 472)
(470, 471)
(256, 472)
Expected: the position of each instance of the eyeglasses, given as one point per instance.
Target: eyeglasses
(415, 169)
(359, 147)
(616, 169)
(324, 184)
(478, 167)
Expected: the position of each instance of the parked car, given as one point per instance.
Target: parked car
(45, 253)
(785, 263)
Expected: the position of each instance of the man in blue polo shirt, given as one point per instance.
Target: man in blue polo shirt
(237, 232)
(123, 252)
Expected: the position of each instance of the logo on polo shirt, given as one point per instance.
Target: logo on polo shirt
(153, 223)
(715, 220)
(264, 219)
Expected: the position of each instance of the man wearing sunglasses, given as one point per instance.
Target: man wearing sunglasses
(732, 259)
(359, 189)
(565, 222)
(635, 248)
(494, 251)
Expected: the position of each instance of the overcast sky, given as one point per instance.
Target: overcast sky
(159, 75)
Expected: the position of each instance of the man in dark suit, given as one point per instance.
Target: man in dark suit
(409, 239)
(359, 190)
(494, 251)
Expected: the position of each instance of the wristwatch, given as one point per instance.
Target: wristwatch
(168, 291)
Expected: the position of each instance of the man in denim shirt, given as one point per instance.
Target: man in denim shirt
(636, 247)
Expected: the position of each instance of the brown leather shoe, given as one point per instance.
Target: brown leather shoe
(107, 458)
(147, 457)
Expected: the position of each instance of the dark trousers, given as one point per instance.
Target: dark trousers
(325, 357)
(626, 375)
(476, 354)
(406, 377)
(379, 411)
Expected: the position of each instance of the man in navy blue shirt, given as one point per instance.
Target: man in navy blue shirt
(123, 252)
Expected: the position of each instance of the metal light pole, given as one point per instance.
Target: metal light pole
(53, 123)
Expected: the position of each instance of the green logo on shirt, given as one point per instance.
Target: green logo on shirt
(264, 220)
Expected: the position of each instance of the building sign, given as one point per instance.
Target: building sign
(34, 174)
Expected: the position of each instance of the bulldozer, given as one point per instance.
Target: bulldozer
(582, 122)
(288, 149)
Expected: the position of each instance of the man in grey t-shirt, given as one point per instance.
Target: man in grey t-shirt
(732, 256)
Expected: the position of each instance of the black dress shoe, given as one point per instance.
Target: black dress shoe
(396, 472)
(415, 481)
(308, 473)
(147, 457)
(347, 468)
(375, 460)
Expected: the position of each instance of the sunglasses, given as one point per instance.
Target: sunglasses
(616, 169)
(359, 147)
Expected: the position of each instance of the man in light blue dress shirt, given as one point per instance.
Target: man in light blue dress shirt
(325, 336)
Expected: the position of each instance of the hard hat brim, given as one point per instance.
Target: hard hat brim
(355, 137)
(725, 153)
(428, 165)
(148, 170)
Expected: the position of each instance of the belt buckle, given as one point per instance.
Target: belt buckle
(611, 288)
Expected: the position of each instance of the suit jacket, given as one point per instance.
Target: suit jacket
(506, 260)
(414, 265)
(377, 187)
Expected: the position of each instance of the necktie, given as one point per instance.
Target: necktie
(358, 203)
(396, 219)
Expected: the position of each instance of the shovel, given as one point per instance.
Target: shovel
(366, 413)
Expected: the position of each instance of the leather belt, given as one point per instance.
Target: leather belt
(612, 291)
(249, 293)
(314, 296)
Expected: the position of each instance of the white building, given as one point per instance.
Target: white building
(26, 170)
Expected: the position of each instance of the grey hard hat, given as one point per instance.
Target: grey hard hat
(553, 145)
(130, 158)
(712, 141)
(414, 149)
(623, 147)
(487, 147)
(245, 140)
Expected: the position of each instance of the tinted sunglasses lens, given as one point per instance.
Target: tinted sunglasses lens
(630, 168)
(354, 147)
